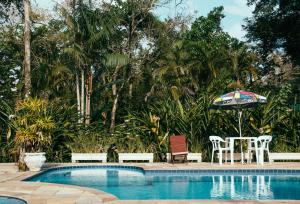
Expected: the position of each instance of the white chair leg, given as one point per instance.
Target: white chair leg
(212, 157)
(220, 157)
(258, 156)
(249, 157)
(226, 156)
(261, 156)
(268, 152)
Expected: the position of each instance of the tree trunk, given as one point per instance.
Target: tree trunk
(114, 110)
(21, 163)
(88, 97)
(87, 108)
(26, 69)
(82, 94)
(251, 79)
(78, 96)
(130, 90)
(115, 103)
(27, 74)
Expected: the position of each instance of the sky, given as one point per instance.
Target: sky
(235, 11)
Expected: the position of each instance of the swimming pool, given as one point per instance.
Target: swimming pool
(133, 183)
(11, 200)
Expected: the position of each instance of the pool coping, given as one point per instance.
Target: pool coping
(227, 171)
(109, 198)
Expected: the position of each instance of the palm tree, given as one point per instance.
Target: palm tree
(242, 67)
(133, 20)
(86, 37)
(173, 70)
(209, 58)
(74, 49)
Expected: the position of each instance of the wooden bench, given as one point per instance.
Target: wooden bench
(135, 157)
(89, 157)
(284, 156)
(190, 157)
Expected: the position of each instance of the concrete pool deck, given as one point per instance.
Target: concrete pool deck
(11, 184)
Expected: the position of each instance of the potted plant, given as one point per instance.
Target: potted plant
(33, 125)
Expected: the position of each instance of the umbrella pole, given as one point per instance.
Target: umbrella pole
(240, 122)
(240, 131)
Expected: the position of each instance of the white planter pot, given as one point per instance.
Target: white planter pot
(35, 161)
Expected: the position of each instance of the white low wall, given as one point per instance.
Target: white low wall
(135, 157)
(89, 157)
(236, 156)
(284, 156)
(190, 157)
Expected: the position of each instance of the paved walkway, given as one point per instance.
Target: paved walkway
(11, 184)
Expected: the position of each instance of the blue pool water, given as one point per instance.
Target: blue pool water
(137, 184)
(10, 200)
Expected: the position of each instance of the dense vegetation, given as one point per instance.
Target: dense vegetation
(113, 77)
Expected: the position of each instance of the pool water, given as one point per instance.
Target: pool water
(10, 200)
(135, 184)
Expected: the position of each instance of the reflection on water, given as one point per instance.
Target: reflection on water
(242, 187)
(134, 184)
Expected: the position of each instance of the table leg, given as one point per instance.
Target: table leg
(242, 155)
(249, 152)
(256, 152)
(231, 143)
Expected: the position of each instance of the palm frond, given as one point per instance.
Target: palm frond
(114, 60)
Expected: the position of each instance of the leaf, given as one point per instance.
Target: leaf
(114, 60)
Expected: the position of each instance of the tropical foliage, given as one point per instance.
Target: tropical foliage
(33, 125)
(114, 77)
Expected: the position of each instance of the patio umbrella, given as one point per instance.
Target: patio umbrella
(238, 100)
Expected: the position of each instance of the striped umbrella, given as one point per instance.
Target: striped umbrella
(238, 100)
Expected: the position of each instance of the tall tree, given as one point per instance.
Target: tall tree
(275, 25)
(207, 44)
(135, 19)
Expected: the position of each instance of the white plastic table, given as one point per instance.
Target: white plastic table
(231, 146)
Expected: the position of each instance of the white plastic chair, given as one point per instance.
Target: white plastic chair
(216, 143)
(250, 150)
(262, 145)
